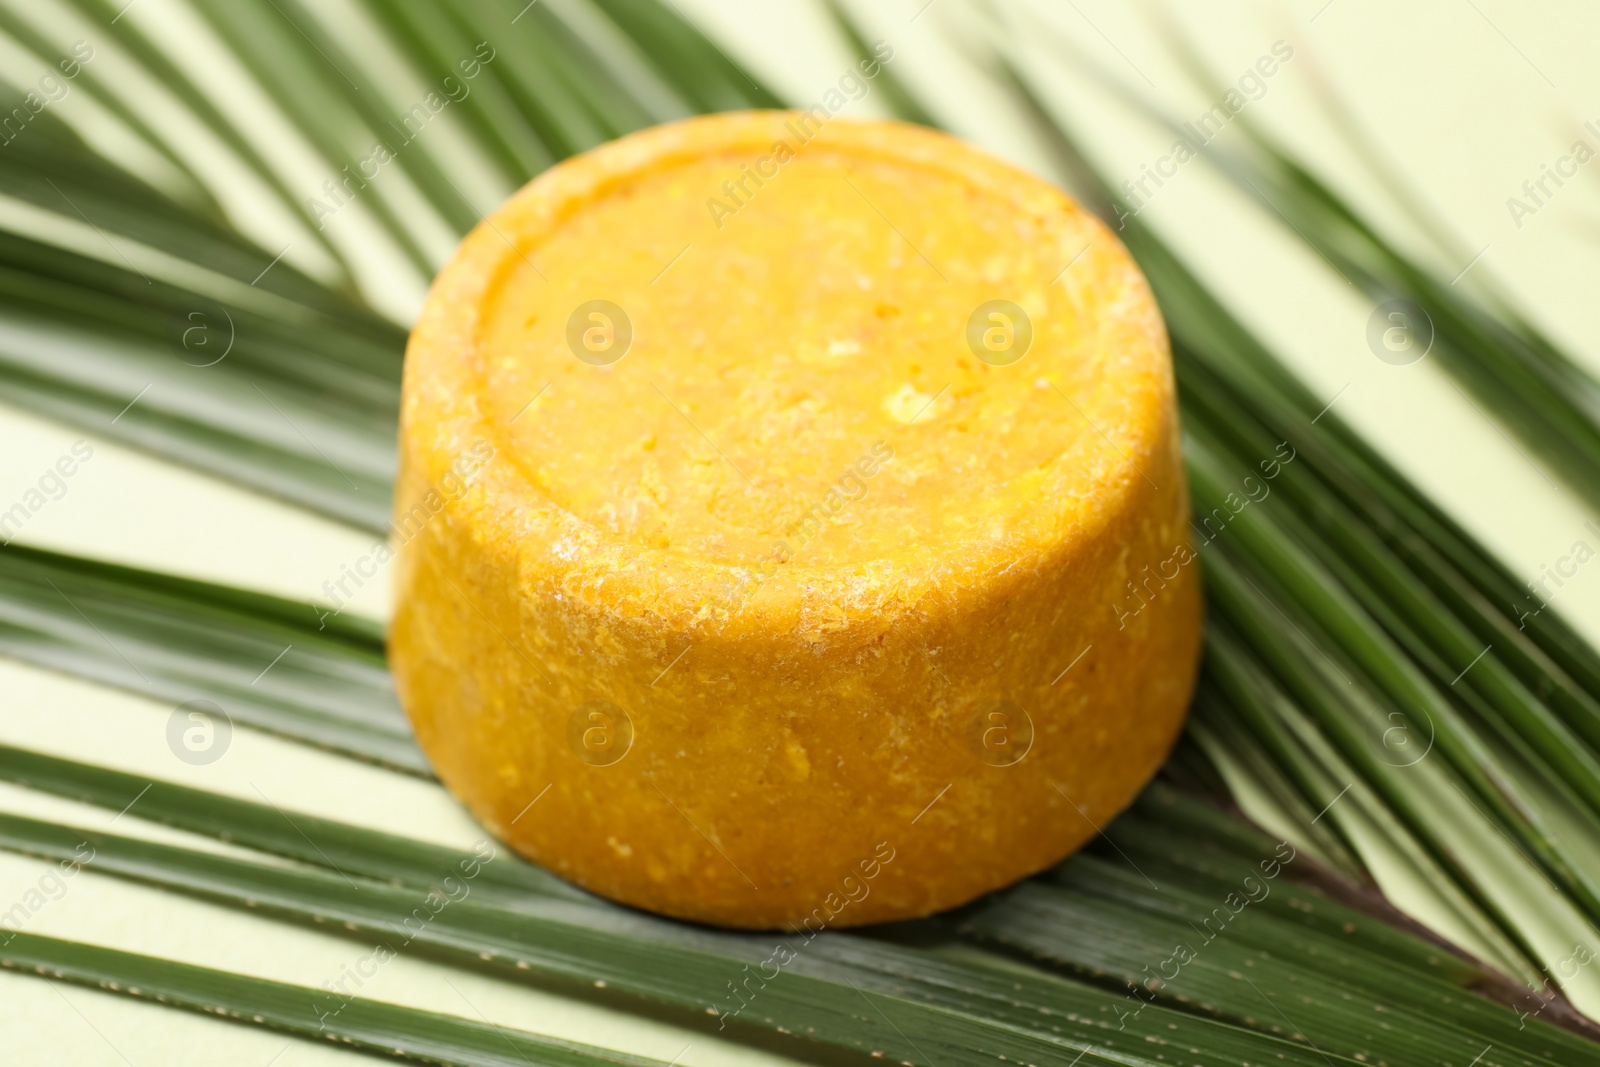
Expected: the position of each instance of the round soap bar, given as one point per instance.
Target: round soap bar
(792, 523)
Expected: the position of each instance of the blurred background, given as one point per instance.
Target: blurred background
(1430, 116)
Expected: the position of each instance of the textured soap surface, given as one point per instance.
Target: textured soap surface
(792, 523)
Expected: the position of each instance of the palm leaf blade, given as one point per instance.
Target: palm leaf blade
(1386, 598)
(358, 1023)
(269, 662)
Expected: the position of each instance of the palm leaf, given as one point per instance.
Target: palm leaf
(1380, 677)
(1537, 390)
(961, 1014)
(276, 665)
(124, 297)
(126, 316)
(356, 1022)
(961, 1006)
(1540, 392)
(1384, 594)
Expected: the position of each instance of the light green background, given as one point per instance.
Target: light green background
(1464, 99)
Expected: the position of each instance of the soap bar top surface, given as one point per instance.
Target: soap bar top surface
(781, 316)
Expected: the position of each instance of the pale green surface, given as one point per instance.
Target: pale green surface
(1455, 106)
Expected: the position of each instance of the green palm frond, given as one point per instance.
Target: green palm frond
(305, 838)
(279, 666)
(161, 328)
(1506, 363)
(1472, 330)
(1369, 691)
(249, 328)
(1100, 917)
(1353, 625)
(962, 1012)
(352, 1022)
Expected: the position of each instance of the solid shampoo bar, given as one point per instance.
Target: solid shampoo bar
(794, 526)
